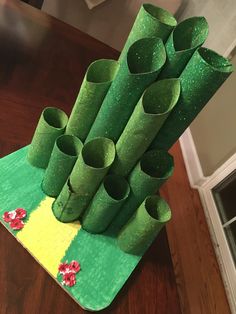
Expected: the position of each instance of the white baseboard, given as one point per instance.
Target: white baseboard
(191, 160)
(93, 3)
(216, 229)
(204, 185)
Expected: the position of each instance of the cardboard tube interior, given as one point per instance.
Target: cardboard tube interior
(184, 40)
(141, 67)
(104, 206)
(136, 236)
(158, 23)
(64, 155)
(146, 120)
(153, 170)
(52, 123)
(96, 83)
(207, 68)
(91, 167)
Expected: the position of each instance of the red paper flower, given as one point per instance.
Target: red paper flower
(20, 213)
(74, 267)
(9, 216)
(69, 279)
(64, 268)
(68, 271)
(16, 224)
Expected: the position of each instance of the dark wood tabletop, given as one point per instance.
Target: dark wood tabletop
(42, 63)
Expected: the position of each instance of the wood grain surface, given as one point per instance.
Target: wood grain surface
(197, 272)
(42, 63)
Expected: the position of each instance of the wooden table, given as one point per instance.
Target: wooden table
(42, 63)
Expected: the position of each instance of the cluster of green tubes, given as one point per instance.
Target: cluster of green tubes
(105, 163)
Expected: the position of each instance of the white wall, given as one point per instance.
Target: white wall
(214, 130)
(109, 22)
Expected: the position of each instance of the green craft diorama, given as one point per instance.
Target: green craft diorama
(81, 198)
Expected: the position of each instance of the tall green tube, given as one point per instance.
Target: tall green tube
(151, 21)
(90, 168)
(141, 67)
(64, 155)
(203, 75)
(154, 168)
(180, 46)
(146, 120)
(105, 204)
(96, 83)
(137, 235)
(52, 123)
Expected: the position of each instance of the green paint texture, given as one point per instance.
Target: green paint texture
(105, 204)
(89, 170)
(19, 185)
(151, 21)
(205, 72)
(141, 67)
(182, 43)
(96, 83)
(143, 227)
(104, 267)
(146, 120)
(154, 168)
(52, 123)
(64, 155)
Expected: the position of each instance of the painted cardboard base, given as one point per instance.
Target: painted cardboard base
(104, 267)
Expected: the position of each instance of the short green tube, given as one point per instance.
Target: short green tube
(64, 155)
(205, 72)
(66, 207)
(151, 21)
(105, 204)
(153, 170)
(140, 231)
(96, 83)
(52, 123)
(146, 120)
(180, 46)
(141, 67)
(90, 168)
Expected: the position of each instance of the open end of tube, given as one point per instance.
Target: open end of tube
(157, 164)
(160, 14)
(69, 145)
(99, 152)
(146, 55)
(157, 208)
(117, 187)
(55, 117)
(102, 71)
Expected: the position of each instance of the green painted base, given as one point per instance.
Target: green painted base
(104, 267)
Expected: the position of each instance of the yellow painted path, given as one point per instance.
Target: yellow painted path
(46, 238)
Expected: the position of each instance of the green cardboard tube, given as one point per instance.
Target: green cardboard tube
(105, 204)
(64, 155)
(141, 67)
(52, 123)
(203, 75)
(180, 46)
(137, 235)
(96, 83)
(146, 120)
(154, 168)
(90, 168)
(67, 206)
(151, 21)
